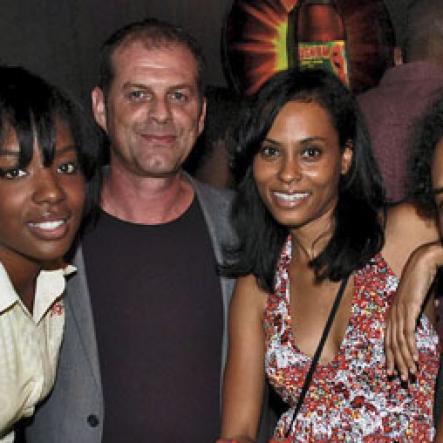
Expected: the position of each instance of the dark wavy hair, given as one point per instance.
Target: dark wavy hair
(31, 107)
(427, 133)
(358, 233)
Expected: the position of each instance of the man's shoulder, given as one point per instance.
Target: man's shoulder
(405, 80)
(208, 194)
(372, 95)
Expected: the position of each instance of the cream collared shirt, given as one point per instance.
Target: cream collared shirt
(29, 346)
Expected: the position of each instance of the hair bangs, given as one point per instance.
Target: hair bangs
(17, 121)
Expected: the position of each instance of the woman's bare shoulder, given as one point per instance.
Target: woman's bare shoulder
(406, 219)
(247, 291)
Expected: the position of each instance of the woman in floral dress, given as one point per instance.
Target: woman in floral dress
(310, 214)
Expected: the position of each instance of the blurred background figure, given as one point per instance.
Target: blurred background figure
(209, 161)
(404, 92)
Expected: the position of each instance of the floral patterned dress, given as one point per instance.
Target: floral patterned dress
(350, 399)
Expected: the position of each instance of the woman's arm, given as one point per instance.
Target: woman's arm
(416, 281)
(244, 374)
(406, 231)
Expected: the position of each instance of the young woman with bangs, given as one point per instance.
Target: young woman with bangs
(48, 184)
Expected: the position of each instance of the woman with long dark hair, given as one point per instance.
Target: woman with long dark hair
(316, 247)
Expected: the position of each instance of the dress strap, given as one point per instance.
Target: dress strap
(318, 352)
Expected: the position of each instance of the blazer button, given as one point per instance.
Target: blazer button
(93, 420)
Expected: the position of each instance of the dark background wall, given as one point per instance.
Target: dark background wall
(59, 39)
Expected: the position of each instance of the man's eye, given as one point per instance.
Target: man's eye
(178, 96)
(12, 173)
(137, 95)
(68, 168)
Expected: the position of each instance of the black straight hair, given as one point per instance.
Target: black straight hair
(32, 108)
(358, 233)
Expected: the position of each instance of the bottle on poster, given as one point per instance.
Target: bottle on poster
(321, 38)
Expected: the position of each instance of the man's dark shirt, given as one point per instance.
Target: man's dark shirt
(158, 314)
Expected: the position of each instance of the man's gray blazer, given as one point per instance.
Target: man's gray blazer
(74, 411)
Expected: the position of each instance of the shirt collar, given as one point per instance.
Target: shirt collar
(50, 285)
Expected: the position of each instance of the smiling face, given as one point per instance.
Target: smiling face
(298, 167)
(153, 113)
(40, 207)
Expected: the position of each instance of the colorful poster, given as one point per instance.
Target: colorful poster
(353, 39)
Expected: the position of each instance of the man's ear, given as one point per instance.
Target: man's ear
(99, 107)
(398, 56)
(201, 119)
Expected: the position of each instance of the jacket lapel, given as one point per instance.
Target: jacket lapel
(216, 214)
(78, 305)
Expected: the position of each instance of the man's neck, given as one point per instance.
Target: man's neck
(146, 200)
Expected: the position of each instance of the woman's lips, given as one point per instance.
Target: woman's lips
(53, 229)
(289, 199)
